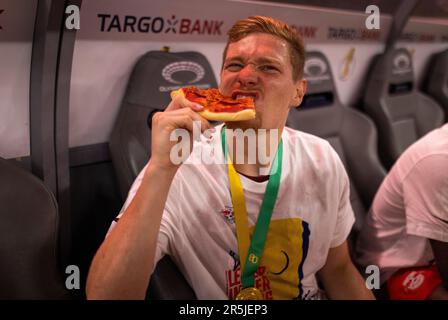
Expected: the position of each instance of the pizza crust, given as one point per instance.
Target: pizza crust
(228, 116)
(242, 115)
(177, 92)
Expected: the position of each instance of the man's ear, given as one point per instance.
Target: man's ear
(300, 92)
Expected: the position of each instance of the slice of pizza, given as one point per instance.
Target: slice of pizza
(218, 107)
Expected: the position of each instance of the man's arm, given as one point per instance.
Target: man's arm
(340, 278)
(122, 266)
(440, 251)
(425, 192)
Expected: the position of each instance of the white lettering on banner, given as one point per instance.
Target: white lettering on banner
(373, 280)
(73, 20)
(373, 20)
(146, 24)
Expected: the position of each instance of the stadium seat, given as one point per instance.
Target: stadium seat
(436, 81)
(401, 113)
(28, 237)
(351, 133)
(168, 283)
(155, 74)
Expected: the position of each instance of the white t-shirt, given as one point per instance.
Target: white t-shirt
(410, 207)
(312, 214)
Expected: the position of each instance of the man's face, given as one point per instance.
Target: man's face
(259, 65)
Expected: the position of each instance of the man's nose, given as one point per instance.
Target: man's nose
(248, 75)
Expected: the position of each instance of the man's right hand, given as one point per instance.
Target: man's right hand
(179, 114)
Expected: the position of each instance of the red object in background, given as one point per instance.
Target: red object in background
(415, 283)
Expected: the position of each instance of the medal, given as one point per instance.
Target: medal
(251, 250)
(249, 293)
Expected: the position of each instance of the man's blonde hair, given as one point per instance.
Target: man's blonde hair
(277, 28)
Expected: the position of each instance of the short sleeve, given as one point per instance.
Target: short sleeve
(131, 194)
(425, 190)
(165, 236)
(345, 216)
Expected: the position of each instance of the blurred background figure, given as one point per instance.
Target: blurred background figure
(406, 231)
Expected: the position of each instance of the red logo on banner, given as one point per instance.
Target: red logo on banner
(200, 27)
(418, 37)
(352, 34)
(307, 32)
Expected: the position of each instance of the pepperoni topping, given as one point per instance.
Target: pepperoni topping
(214, 101)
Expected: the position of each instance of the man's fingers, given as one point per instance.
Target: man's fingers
(180, 102)
(204, 122)
(182, 118)
(187, 122)
(191, 120)
(192, 116)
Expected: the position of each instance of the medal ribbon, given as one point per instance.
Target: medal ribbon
(251, 250)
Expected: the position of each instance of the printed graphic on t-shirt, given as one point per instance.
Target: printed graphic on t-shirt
(280, 273)
(227, 213)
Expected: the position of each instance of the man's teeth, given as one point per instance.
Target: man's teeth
(241, 96)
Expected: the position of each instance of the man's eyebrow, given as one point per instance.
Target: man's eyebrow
(235, 58)
(258, 61)
(268, 60)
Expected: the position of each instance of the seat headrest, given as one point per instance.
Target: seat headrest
(402, 69)
(157, 73)
(436, 82)
(320, 84)
(395, 70)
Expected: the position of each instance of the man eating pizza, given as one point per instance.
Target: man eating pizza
(218, 107)
(236, 234)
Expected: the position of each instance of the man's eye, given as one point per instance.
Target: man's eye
(234, 67)
(268, 68)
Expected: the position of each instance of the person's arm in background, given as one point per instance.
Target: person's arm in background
(426, 197)
(122, 266)
(340, 278)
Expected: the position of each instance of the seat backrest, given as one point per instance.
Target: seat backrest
(350, 133)
(436, 81)
(168, 283)
(28, 237)
(401, 113)
(154, 76)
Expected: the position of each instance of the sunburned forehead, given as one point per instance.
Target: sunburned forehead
(259, 46)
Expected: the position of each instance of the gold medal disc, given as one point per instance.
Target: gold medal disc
(249, 293)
